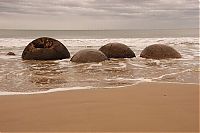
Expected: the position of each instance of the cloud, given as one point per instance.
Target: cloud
(126, 10)
(102, 7)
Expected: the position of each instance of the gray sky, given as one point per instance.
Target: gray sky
(98, 14)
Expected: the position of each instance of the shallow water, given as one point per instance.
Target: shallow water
(17, 75)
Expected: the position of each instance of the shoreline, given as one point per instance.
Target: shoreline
(55, 90)
(145, 107)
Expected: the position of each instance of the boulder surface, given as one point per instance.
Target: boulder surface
(159, 51)
(10, 53)
(88, 55)
(117, 50)
(45, 49)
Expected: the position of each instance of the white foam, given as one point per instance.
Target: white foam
(139, 43)
(129, 79)
(9, 57)
(170, 74)
(140, 80)
(13, 42)
(94, 65)
(44, 92)
(122, 65)
(175, 83)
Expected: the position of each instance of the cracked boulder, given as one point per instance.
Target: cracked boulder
(45, 49)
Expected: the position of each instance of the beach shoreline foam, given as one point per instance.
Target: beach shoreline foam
(55, 90)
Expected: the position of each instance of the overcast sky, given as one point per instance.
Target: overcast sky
(98, 14)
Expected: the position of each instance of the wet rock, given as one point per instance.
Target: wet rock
(10, 53)
(89, 55)
(117, 50)
(159, 51)
(45, 49)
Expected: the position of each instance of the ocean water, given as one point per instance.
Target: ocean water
(18, 76)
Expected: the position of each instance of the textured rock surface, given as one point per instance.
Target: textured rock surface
(89, 55)
(159, 51)
(117, 50)
(45, 49)
(10, 53)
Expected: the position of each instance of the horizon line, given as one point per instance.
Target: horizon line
(96, 29)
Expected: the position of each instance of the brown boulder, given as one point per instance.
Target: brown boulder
(117, 50)
(45, 49)
(88, 55)
(10, 53)
(159, 51)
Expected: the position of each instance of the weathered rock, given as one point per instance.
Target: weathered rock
(10, 53)
(159, 51)
(88, 55)
(117, 50)
(45, 49)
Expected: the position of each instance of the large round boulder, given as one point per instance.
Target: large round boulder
(88, 55)
(45, 49)
(117, 50)
(159, 51)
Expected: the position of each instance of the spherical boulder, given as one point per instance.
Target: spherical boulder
(117, 50)
(88, 55)
(159, 51)
(10, 53)
(45, 48)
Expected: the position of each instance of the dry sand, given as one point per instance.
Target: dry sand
(146, 107)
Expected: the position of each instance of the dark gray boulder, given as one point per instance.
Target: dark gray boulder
(10, 53)
(159, 51)
(117, 50)
(45, 48)
(88, 55)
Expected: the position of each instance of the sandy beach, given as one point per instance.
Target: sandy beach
(99, 66)
(146, 107)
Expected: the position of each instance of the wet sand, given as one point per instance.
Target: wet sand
(146, 107)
